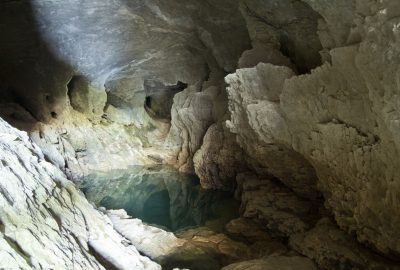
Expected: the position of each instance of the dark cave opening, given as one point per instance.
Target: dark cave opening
(160, 97)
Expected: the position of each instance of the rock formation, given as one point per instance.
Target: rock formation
(291, 105)
(45, 221)
(337, 119)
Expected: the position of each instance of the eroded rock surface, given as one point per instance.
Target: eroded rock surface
(151, 241)
(274, 263)
(274, 205)
(287, 143)
(326, 242)
(341, 118)
(46, 223)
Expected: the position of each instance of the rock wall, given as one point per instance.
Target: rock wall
(108, 72)
(341, 119)
(46, 223)
(310, 117)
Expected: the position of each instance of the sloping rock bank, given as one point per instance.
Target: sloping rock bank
(46, 223)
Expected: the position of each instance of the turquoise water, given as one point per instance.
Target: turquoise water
(161, 196)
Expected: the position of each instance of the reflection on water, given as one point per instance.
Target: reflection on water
(160, 195)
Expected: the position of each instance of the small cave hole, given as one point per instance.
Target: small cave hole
(160, 97)
(54, 115)
(180, 86)
(148, 102)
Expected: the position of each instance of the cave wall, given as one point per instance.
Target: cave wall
(341, 118)
(102, 41)
(46, 223)
(304, 131)
(78, 75)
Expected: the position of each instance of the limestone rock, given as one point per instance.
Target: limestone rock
(332, 32)
(192, 115)
(341, 118)
(216, 245)
(332, 248)
(86, 98)
(274, 205)
(151, 241)
(344, 123)
(275, 25)
(261, 244)
(46, 222)
(164, 42)
(260, 128)
(274, 263)
(149, 47)
(331, 131)
(219, 159)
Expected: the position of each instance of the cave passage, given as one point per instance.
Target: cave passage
(201, 135)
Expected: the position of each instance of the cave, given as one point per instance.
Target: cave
(202, 135)
(159, 98)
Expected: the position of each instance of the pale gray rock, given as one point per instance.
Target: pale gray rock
(346, 126)
(46, 223)
(332, 32)
(260, 128)
(151, 241)
(342, 119)
(192, 114)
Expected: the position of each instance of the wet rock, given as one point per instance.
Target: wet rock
(275, 206)
(216, 245)
(274, 263)
(261, 244)
(151, 241)
(332, 248)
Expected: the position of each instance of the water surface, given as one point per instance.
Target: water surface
(161, 196)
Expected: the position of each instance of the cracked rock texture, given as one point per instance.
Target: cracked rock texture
(272, 263)
(326, 242)
(341, 120)
(304, 128)
(46, 223)
(274, 205)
